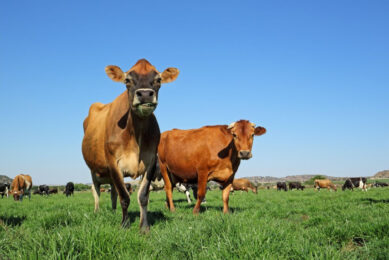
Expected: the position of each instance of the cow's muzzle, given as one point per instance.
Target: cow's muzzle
(244, 154)
(145, 102)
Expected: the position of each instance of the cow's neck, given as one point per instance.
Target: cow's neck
(136, 125)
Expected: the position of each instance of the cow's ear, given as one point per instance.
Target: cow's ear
(259, 130)
(169, 75)
(115, 73)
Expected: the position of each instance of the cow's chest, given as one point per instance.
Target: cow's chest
(132, 165)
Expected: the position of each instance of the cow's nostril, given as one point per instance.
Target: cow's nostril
(151, 93)
(139, 94)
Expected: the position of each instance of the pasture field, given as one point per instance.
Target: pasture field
(269, 225)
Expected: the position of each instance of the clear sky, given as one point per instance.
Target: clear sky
(314, 73)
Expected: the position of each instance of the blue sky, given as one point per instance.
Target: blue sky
(314, 73)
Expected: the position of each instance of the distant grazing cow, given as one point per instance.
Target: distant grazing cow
(121, 138)
(380, 184)
(243, 184)
(53, 191)
(281, 186)
(69, 189)
(43, 189)
(21, 186)
(102, 190)
(352, 183)
(296, 185)
(4, 189)
(205, 154)
(324, 184)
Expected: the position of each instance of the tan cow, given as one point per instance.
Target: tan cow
(243, 184)
(121, 138)
(324, 184)
(21, 186)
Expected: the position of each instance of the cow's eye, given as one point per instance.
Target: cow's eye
(234, 135)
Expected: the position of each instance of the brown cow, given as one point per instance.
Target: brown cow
(326, 183)
(243, 184)
(21, 186)
(121, 138)
(205, 154)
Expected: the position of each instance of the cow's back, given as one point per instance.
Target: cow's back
(187, 151)
(94, 136)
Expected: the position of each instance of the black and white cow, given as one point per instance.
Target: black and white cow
(185, 187)
(352, 183)
(4, 188)
(43, 189)
(380, 184)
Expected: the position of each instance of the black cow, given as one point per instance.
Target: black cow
(43, 189)
(4, 188)
(129, 188)
(53, 191)
(69, 189)
(352, 183)
(296, 185)
(281, 186)
(380, 184)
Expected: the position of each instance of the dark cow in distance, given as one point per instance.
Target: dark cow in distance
(380, 184)
(21, 186)
(4, 189)
(43, 189)
(281, 186)
(53, 191)
(352, 183)
(69, 189)
(129, 188)
(121, 138)
(296, 185)
(205, 154)
(244, 185)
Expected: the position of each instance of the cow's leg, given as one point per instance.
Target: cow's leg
(114, 197)
(226, 197)
(168, 186)
(96, 191)
(143, 196)
(201, 190)
(188, 195)
(124, 196)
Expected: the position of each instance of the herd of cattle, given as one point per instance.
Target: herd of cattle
(122, 139)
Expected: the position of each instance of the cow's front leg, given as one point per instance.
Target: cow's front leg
(124, 196)
(226, 196)
(201, 190)
(143, 196)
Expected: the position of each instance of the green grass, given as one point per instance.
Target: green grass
(281, 225)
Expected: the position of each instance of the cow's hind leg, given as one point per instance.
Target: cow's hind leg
(114, 197)
(168, 186)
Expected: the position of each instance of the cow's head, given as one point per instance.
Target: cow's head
(143, 82)
(243, 133)
(16, 194)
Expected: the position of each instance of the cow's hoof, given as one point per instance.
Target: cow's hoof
(145, 230)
